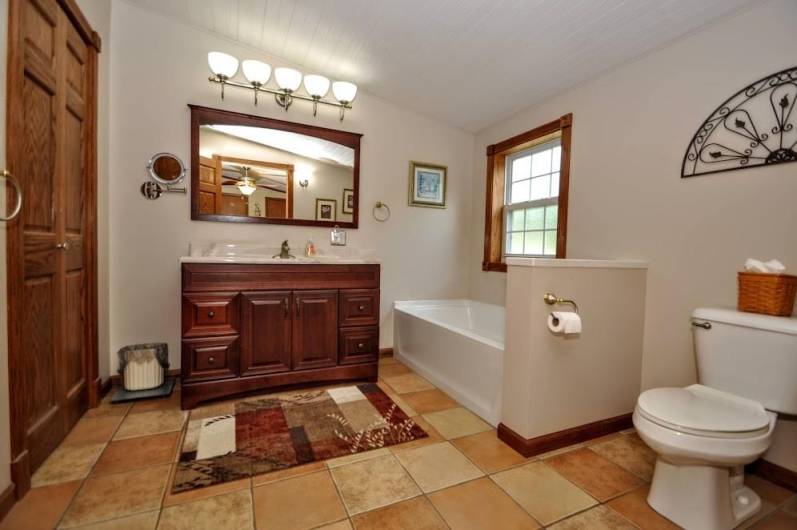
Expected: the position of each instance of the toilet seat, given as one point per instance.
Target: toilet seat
(704, 411)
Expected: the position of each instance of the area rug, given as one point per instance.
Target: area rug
(240, 439)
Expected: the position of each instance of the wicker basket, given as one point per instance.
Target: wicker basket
(771, 294)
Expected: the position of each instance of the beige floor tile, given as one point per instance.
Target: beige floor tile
(231, 511)
(298, 503)
(403, 405)
(630, 453)
(387, 359)
(89, 431)
(117, 495)
(153, 422)
(543, 492)
(41, 508)
(456, 422)
(340, 525)
(480, 504)
(294, 471)
(173, 499)
(393, 369)
(771, 494)
(597, 518)
(67, 463)
(373, 483)
(106, 408)
(779, 520)
(139, 521)
(432, 438)
(417, 514)
(634, 507)
(594, 474)
(438, 466)
(165, 403)
(357, 457)
(488, 452)
(556, 452)
(427, 401)
(409, 382)
(134, 453)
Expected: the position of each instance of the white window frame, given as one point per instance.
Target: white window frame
(538, 203)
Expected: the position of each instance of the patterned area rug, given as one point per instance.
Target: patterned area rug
(240, 439)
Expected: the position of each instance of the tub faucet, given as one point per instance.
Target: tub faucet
(285, 251)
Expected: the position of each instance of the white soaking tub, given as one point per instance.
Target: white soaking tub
(456, 344)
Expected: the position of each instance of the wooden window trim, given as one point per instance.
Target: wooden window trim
(496, 180)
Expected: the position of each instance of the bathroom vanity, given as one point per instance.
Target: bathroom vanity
(251, 323)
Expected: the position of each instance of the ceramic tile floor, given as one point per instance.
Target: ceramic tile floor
(114, 469)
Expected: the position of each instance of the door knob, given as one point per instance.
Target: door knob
(62, 246)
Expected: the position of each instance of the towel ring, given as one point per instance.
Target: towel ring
(378, 207)
(18, 206)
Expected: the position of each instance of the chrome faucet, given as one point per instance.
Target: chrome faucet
(285, 252)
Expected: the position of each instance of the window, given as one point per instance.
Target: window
(527, 189)
(532, 197)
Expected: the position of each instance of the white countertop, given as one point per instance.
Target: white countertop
(262, 253)
(577, 263)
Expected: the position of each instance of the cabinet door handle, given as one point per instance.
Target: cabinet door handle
(285, 307)
(361, 307)
(297, 308)
(211, 314)
(361, 345)
(211, 360)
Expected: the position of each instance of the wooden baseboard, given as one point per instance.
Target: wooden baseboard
(116, 379)
(774, 473)
(106, 387)
(7, 499)
(556, 440)
(385, 352)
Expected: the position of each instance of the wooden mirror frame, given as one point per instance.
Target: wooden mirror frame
(208, 116)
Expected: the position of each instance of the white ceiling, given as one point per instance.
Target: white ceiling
(469, 63)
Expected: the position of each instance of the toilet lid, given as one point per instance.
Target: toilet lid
(700, 408)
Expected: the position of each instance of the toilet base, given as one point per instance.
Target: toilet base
(702, 497)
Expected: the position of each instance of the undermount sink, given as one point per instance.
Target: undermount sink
(260, 253)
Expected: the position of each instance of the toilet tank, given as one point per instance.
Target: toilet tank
(747, 354)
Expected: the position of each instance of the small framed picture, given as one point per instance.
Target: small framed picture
(325, 209)
(427, 185)
(348, 201)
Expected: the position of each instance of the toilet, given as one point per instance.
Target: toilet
(705, 433)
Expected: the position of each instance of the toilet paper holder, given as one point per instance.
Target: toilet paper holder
(552, 299)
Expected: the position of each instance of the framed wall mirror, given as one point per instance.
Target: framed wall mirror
(250, 169)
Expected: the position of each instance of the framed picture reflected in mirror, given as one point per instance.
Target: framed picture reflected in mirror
(325, 209)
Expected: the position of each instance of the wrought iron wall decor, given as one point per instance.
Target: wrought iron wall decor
(753, 128)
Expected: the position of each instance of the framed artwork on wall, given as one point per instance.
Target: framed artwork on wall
(427, 185)
(325, 209)
(347, 206)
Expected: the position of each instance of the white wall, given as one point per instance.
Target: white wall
(158, 67)
(630, 130)
(5, 428)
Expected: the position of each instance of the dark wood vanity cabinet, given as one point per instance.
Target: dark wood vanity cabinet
(251, 326)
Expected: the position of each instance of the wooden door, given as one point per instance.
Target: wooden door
(209, 185)
(315, 329)
(234, 204)
(51, 149)
(276, 208)
(265, 332)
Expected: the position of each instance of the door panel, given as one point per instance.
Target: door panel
(51, 253)
(315, 329)
(265, 332)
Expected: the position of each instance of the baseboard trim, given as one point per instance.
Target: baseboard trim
(116, 379)
(556, 440)
(7, 499)
(106, 387)
(774, 473)
(385, 352)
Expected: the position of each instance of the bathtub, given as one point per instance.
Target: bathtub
(456, 344)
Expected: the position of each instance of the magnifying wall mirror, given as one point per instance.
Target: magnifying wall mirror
(166, 168)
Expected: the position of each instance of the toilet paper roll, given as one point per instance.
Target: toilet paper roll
(565, 322)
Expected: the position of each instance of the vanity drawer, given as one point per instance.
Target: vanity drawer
(359, 307)
(358, 345)
(207, 314)
(215, 358)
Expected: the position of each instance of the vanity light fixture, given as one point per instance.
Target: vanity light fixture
(304, 183)
(288, 81)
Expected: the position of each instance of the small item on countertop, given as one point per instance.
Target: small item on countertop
(309, 250)
(772, 266)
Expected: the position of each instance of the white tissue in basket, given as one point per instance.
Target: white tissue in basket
(772, 266)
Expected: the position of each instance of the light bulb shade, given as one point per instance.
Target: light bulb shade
(222, 64)
(288, 78)
(256, 72)
(344, 91)
(246, 186)
(316, 85)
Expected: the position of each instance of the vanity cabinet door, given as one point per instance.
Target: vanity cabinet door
(265, 332)
(315, 329)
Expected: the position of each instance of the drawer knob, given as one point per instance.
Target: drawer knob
(211, 314)
(361, 307)
(211, 360)
(361, 345)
